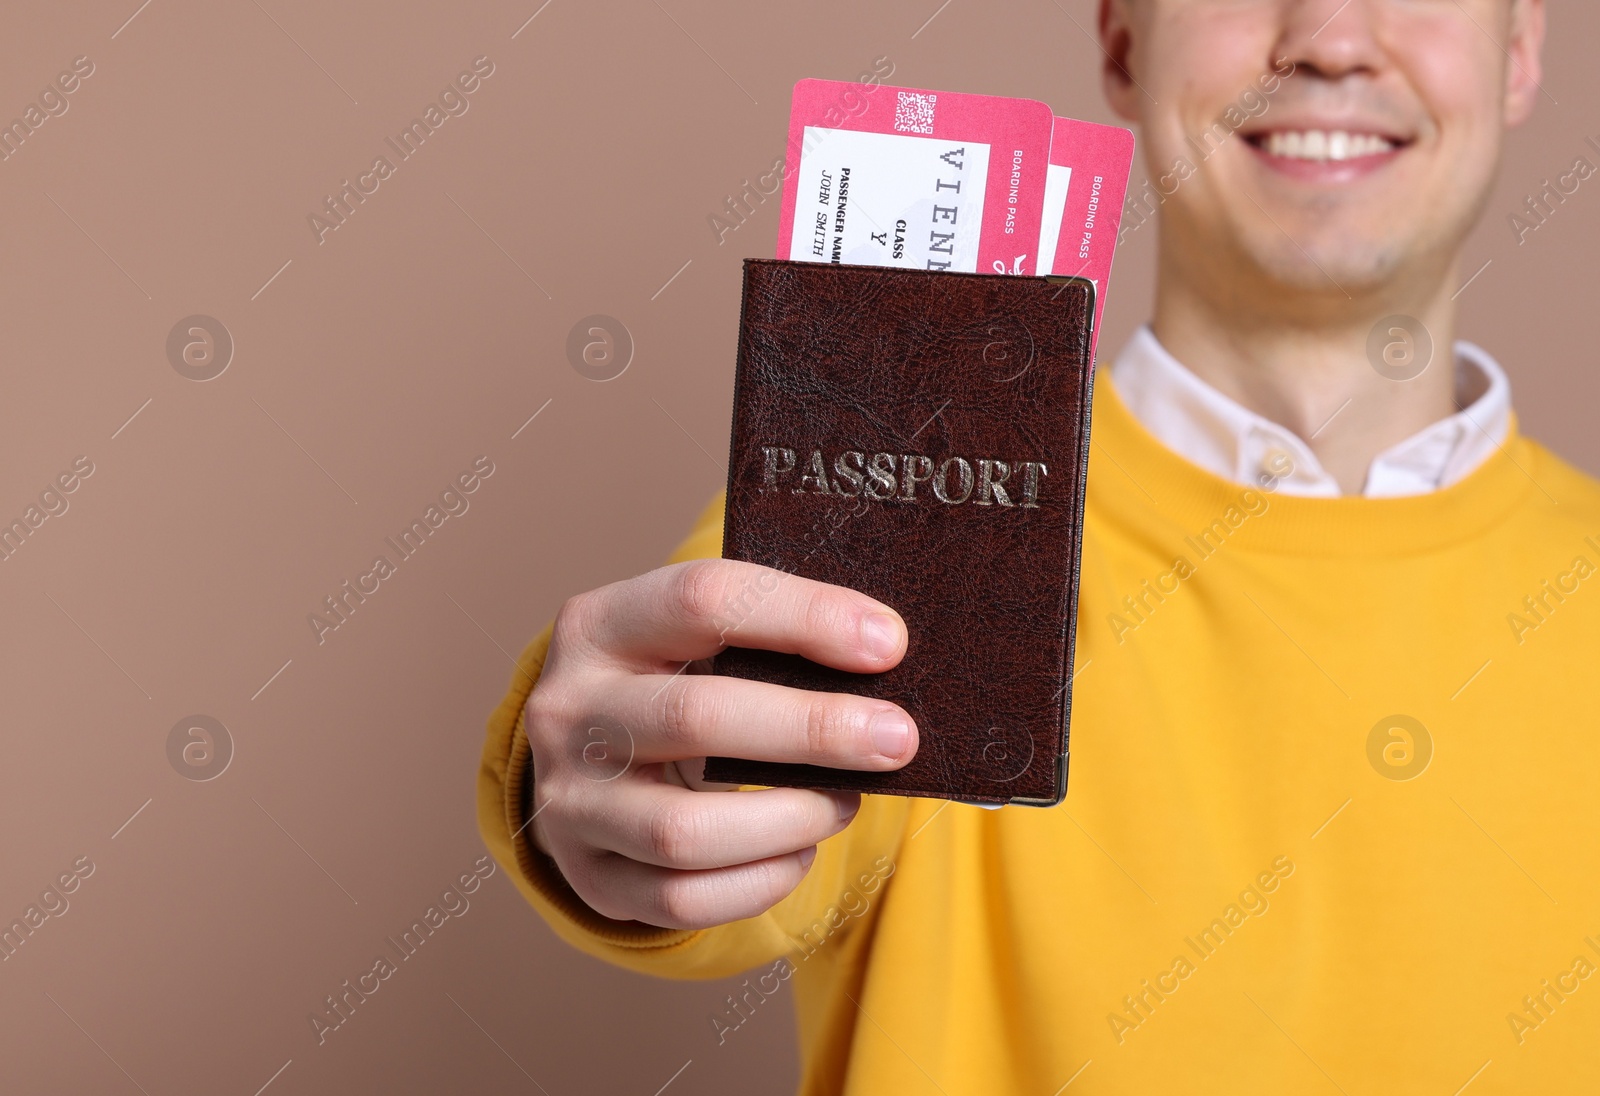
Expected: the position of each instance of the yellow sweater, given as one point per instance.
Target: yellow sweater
(1330, 826)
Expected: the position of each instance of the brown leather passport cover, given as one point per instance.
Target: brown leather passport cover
(921, 437)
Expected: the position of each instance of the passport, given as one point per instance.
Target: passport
(923, 437)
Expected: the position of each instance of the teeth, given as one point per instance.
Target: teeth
(1317, 144)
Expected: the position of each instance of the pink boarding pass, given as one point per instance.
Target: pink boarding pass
(1088, 178)
(929, 180)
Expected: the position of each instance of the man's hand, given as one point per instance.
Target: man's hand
(620, 733)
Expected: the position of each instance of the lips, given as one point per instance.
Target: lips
(1322, 146)
(1325, 154)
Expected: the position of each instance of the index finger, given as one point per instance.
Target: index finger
(691, 610)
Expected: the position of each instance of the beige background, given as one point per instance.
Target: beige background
(368, 373)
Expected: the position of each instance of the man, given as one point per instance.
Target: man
(1335, 787)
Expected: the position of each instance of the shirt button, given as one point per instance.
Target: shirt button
(1276, 463)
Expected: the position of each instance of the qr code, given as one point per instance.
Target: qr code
(914, 113)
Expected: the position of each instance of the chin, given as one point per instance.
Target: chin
(1349, 265)
(1345, 253)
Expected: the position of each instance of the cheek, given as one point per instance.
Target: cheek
(1453, 67)
(1458, 76)
(1195, 61)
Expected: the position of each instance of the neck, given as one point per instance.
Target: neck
(1306, 367)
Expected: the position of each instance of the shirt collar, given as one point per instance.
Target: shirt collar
(1227, 439)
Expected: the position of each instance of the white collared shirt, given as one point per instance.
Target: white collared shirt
(1212, 430)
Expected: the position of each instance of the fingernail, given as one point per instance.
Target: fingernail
(890, 734)
(880, 634)
(848, 806)
(806, 856)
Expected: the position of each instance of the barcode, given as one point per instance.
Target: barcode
(914, 113)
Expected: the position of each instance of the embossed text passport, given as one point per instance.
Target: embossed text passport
(922, 437)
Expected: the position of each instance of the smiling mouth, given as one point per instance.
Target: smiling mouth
(1323, 146)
